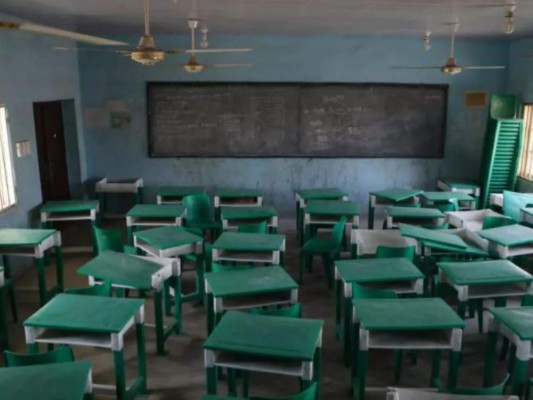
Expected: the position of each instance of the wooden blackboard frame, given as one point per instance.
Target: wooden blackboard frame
(443, 87)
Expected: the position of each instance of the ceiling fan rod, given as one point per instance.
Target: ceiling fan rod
(146, 17)
(453, 27)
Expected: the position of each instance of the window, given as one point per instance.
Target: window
(7, 174)
(526, 160)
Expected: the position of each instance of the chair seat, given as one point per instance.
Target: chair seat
(317, 246)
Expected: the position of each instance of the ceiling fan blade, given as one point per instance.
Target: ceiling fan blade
(485, 67)
(229, 65)
(427, 67)
(189, 51)
(46, 30)
(100, 50)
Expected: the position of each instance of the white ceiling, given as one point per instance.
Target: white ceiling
(287, 17)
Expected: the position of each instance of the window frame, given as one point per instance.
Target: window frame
(7, 167)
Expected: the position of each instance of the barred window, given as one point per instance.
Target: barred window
(7, 173)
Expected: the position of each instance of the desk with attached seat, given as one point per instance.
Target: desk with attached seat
(236, 198)
(391, 197)
(105, 186)
(326, 213)
(509, 241)
(429, 199)
(175, 194)
(250, 248)
(459, 185)
(413, 216)
(152, 215)
(471, 220)
(233, 216)
(364, 242)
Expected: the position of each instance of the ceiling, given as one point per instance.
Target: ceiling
(478, 18)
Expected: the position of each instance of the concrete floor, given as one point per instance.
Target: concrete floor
(179, 375)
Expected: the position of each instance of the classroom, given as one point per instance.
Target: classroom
(266, 200)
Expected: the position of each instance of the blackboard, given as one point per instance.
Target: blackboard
(296, 120)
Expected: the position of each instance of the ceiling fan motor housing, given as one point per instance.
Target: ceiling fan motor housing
(147, 54)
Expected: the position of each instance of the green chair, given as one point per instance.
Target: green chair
(61, 355)
(310, 393)
(451, 205)
(328, 249)
(260, 227)
(111, 239)
(396, 252)
(199, 214)
(494, 221)
(103, 290)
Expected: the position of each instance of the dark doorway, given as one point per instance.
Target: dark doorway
(51, 151)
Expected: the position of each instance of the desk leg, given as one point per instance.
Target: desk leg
(362, 361)
(347, 339)
(199, 278)
(461, 309)
(354, 335)
(370, 215)
(435, 368)
(3, 319)
(317, 373)
(159, 323)
(141, 357)
(39, 263)
(282, 259)
(7, 275)
(338, 311)
(455, 358)
(94, 224)
(120, 374)
(520, 371)
(177, 304)
(210, 313)
(130, 235)
(211, 375)
(59, 265)
(490, 356)
(139, 196)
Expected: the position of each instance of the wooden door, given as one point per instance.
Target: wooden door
(51, 150)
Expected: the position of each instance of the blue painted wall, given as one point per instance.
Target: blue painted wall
(120, 153)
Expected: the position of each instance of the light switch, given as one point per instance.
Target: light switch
(23, 148)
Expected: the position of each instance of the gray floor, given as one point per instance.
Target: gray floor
(179, 375)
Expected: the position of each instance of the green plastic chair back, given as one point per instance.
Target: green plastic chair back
(108, 239)
(260, 227)
(309, 394)
(294, 311)
(217, 267)
(513, 202)
(451, 205)
(363, 292)
(494, 221)
(394, 252)
(61, 355)
(198, 208)
(337, 234)
(103, 290)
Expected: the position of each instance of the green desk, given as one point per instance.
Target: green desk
(105, 187)
(245, 289)
(474, 246)
(175, 194)
(509, 241)
(515, 324)
(325, 213)
(63, 381)
(466, 201)
(236, 198)
(407, 324)
(413, 216)
(170, 242)
(397, 274)
(93, 321)
(304, 195)
(460, 185)
(471, 220)
(144, 274)
(278, 345)
(250, 248)
(233, 216)
(364, 242)
(479, 280)
(150, 215)
(4, 332)
(34, 243)
(398, 197)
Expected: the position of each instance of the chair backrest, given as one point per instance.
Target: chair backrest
(217, 267)
(451, 205)
(363, 292)
(309, 394)
(103, 290)
(420, 394)
(60, 355)
(495, 222)
(338, 233)
(108, 239)
(294, 311)
(260, 227)
(198, 207)
(394, 252)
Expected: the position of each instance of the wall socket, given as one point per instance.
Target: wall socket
(23, 148)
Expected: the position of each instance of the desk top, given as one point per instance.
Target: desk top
(248, 212)
(156, 211)
(332, 207)
(179, 191)
(167, 237)
(62, 381)
(517, 319)
(240, 241)
(434, 236)
(24, 237)
(446, 196)
(122, 269)
(413, 212)
(238, 193)
(83, 313)
(377, 270)
(323, 193)
(490, 272)
(396, 194)
(406, 314)
(266, 336)
(249, 281)
(510, 235)
(68, 206)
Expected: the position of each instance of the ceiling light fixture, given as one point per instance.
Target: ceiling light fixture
(508, 25)
(427, 41)
(204, 44)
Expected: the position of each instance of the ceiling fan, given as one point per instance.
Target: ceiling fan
(147, 54)
(451, 67)
(46, 30)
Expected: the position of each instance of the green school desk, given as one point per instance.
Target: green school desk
(509, 241)
(471, 220)
(144, 274)
(4, 338)
(490, 279)
(150, 215)
(175, 194)
(364, 242)
(278, 345)
(236, 198)
(408, 324)
(459, 185)
(250, 248)
(93, 321)
(413, 216)
(105, 187)
(397, 274)
(304, 195)
(63, 381)
(233, 216)
(247, 288)
(434, 236)
(34, 243)
(475, 246)
(390, 197)
(515, 324)
(466, 201)
(170, 242)
(325, 213)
